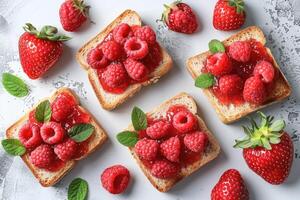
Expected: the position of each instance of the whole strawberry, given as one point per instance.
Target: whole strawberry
(229, 15)
(73, 13)
(39, 50)
(179, 17)
(231, 186)
(267, 149)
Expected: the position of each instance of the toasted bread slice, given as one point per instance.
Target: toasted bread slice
(47, 178)
(231, 113)
(108, 100)
(212, 151)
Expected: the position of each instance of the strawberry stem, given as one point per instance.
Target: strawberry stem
(239, 4)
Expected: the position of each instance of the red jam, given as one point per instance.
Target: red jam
(244, 70)
(187, 157)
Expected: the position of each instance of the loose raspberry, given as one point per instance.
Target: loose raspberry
(196, 141)
(164, 169)
(96, 59)
(146, 33)
(122, 32)
(66, 150)
(185, 122)
(158, 130)
(230, 84)
(135, 69)
(42, 156)
(115, 76)
(170, 149)
(52, 133)
(146, 149)
(240, 51)
(111, 50)
(29, 135)
(154, 56)
(219, 64)
(254, 90)
(266, 70)
(115, 179)
(136, 48)
(62, 107)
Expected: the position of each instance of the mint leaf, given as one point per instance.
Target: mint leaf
(43, 112)
(78, 189)
(128, 138)
(13, 147)
(205, 81)
(139, 119)
(81, 132)
(14, 85)
(216, 46)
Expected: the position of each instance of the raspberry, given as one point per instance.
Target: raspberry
(115, 75)
(266, 70)
(52, 132)
(29, 135)
(240, 51)
(122, 32)
(154, 56)
(42, 156)
(164, 169)
(219, 64)
(158, 130)
(111, 50)
(136, 48)
(184, 122)
(196, 141)
(170, 149)
(146, 33)
(254, 90)
(62, 107)
(115, 179)
(66, 150)
(146, 149)
(135, 69)
(96, 59)
(230, 84)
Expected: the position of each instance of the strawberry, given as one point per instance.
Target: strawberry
(229, 15)
(40, 50)
(179, 17)
(72, 14)
(267, 149)
(231, 186)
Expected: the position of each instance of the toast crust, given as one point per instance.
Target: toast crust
(107, 100)
(47, 178)
(213, 150)
(232, 113)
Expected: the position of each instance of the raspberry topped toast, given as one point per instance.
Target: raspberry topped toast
(122, 58)
(239, 75)
(56, 134)
(171, 142)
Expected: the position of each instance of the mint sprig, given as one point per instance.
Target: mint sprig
(78, 189)
(81, 132)
(128, 138)
(205, 80)
(43, 112)
(14, 85)
(139, 119)
(215, 46)
(13, 147)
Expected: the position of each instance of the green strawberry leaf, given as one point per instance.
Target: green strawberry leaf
(78, 189)
(205, 80)
(81, 132)
(14, 85)
(139, 119)
(13, 147)
(43, 112)
(128, 138)
(277, 126)
(215, 46)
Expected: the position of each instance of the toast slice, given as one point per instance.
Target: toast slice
(231, 113)
(47, 178)
(212, 151)
(108, 100)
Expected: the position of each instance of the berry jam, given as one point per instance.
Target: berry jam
(244, 70)
(187, 157)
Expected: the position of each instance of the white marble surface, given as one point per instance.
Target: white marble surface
(278, 18)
